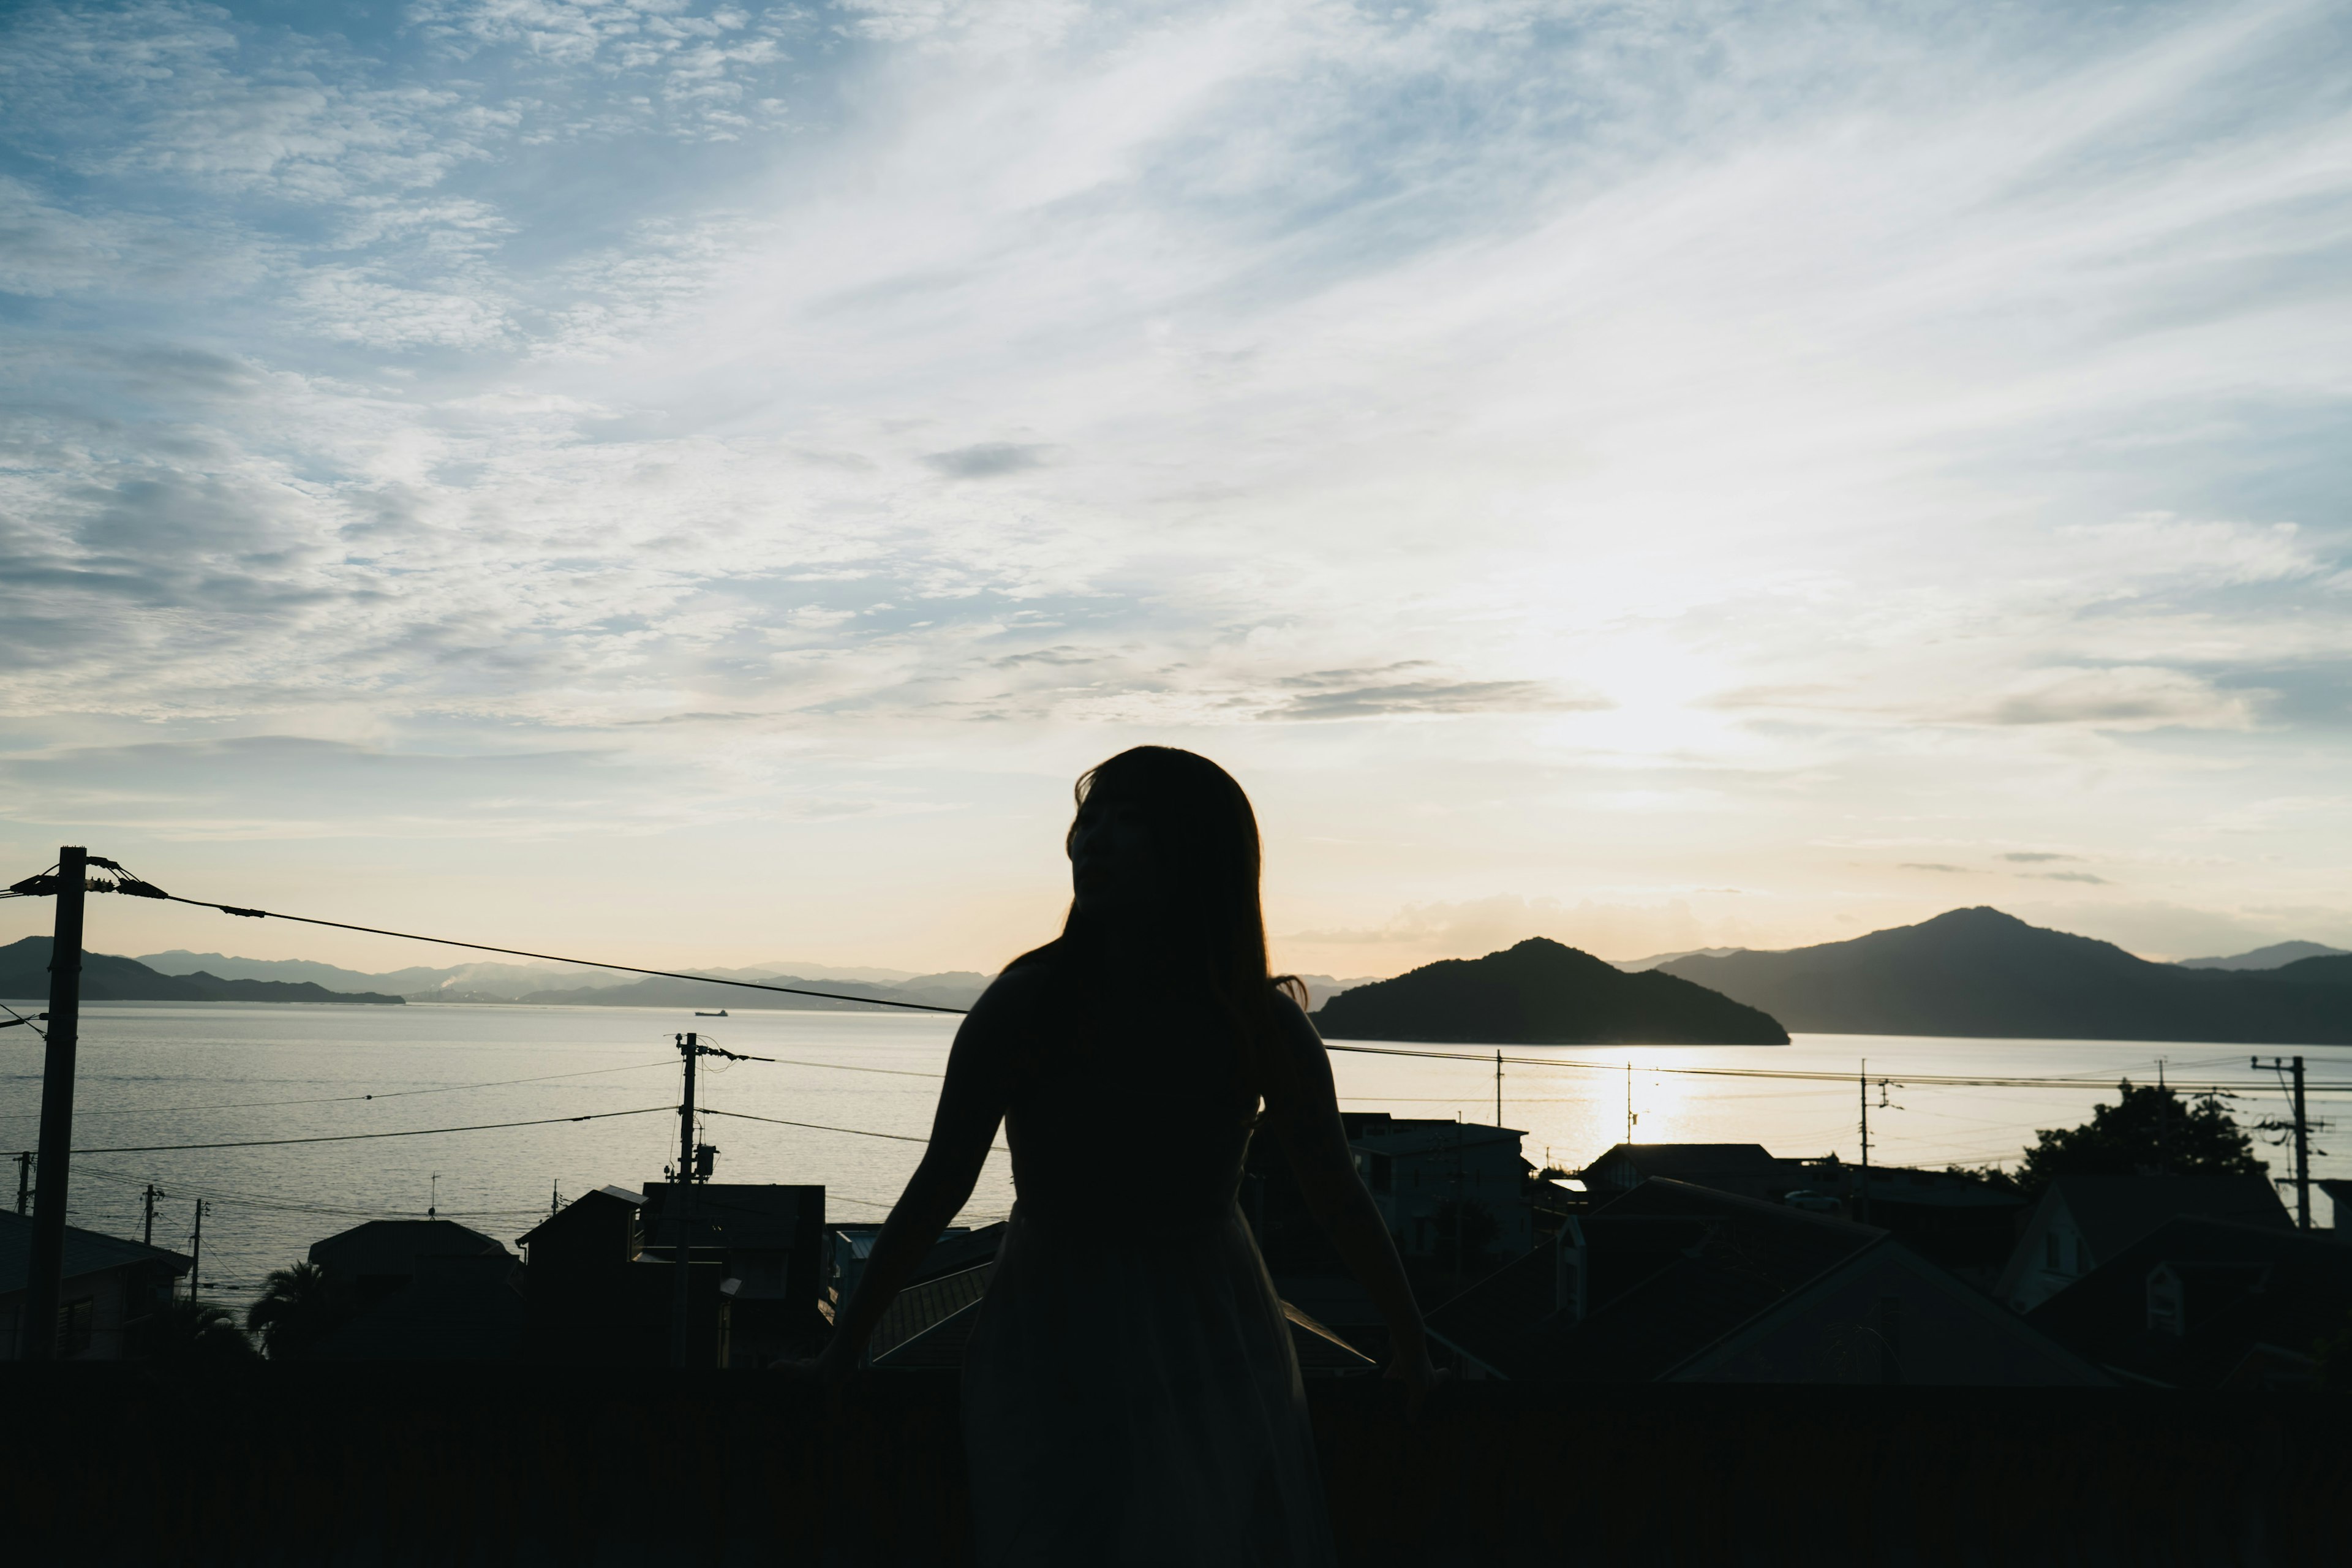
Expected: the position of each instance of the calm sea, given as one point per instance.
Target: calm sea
(167, 1073)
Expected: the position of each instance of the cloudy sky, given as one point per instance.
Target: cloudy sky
(695, 481)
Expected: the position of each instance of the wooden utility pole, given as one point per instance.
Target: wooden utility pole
(147, 1201)
(681, 1191)
(196, 1251)
(24, 1180)
(1862, 1204)
(1629, 1117)
(38, 1339)
(2302, 1154)
(1498, 1088)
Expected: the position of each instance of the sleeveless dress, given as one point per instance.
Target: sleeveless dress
(1131, 1393)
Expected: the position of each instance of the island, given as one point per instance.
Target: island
(109, 977)
(1541, 992)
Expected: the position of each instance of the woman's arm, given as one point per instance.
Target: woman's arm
(1304, 1111)
(972, 1106)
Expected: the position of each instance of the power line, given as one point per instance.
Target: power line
(546, 957)
(342, 1099)
(821, 1127)
(1955, 1080)
(357, 1137)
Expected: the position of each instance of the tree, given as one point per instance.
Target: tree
(187, 1331)
(2148, 1132)
(297, 1308)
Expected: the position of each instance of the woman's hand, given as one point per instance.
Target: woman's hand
(1420, 1376)
(829, 1368)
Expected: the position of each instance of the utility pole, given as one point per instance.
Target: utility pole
(147, 1202)
(681, 1193)
(24, 1180)
(38, 1340)
(1861, 1209)
(196, 1251)
(1629, 1117)
(2300, 1125)
(1498, 1088)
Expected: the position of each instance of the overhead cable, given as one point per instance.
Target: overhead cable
(357, 1137)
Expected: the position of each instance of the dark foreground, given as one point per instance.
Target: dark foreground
(467, 1465)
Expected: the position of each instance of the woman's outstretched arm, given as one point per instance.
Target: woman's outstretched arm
(971, 1107)
(1304, 1111)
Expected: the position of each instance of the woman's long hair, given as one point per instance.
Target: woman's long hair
(1210, 928)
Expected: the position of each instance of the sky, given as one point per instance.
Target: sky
(695, 482)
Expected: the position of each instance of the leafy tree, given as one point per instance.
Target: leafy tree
(194, 1332)
(2148, 1132)
(297, 1308)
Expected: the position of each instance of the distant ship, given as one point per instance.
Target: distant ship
(720, 1014)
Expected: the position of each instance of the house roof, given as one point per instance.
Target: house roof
(2285, 1289)
(1436, 1138)
(754, 1216)
(1687, 1161)
(392, 1246)
(86, 1252)
(1671, 1267)
(911, 1321)
(605, 1197)
(2114, 1211)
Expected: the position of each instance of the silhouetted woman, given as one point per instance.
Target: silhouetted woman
(1131, 1393)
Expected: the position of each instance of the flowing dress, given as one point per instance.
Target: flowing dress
(1131, 1393)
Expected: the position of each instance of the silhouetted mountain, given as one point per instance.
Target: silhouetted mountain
(1982, 973)
(2271, 957)
(2334, 969)
(954, 989)
(1542, 994)
(107, 977)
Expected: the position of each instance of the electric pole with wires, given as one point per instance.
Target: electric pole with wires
(696, 1162)
(38, 1339)
(2299, 1128)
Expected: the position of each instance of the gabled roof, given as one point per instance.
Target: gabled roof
(1672, 1267)
(754, 1216)
(86, 1252)
(392, 1246)
(1435, 1138)
(2114, 1211)
(608, 1197)
(908, 1334)
(1690, 1162)
(2297, 1290)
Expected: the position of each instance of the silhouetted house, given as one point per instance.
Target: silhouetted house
(1671, 1282)
(848, 1246)
(1747, 1169)
(2340, 1196)
(1967, 1225)
(369, 1262)
(2209, 1303)
(421, 1289)
(1439, 1182)
(593, 1298)
(2083, 1221)
(769, 1242)
(111, 1288)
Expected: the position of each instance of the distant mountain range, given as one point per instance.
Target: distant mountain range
(1979, 972)
(958, 988)
(107, 977)
(2277, 955)
(1541, 992)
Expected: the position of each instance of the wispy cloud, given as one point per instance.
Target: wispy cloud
(1727, 428)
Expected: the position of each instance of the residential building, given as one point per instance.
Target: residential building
(1671, 1282)
(1967, 1225)
(1749, 1169)
(2083, 1221)
(111, 1288)
(769, 1241)
(421, 1289)
(1455, 1190)
(592, 1297)
(2210, 1303)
